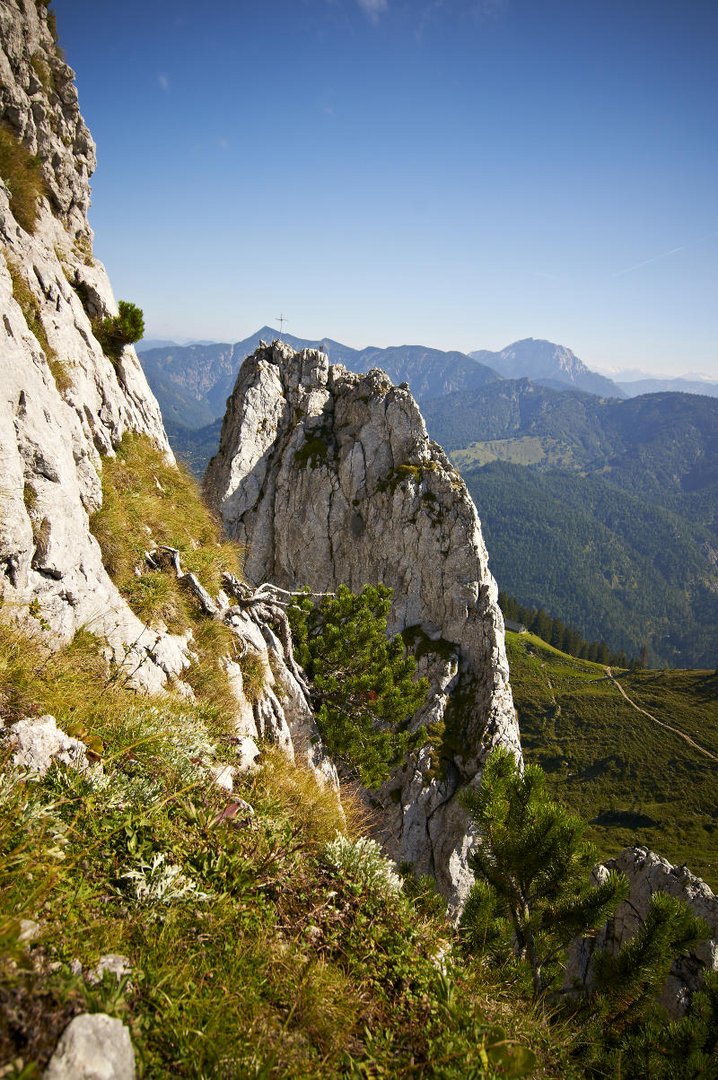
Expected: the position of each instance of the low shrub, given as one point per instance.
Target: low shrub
(115, 331)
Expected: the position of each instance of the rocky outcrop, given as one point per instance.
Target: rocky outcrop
(329, 477)
(63, 403)
(281, 712)
(37, 742)
(647, 874)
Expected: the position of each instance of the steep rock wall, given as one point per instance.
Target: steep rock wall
(329, 477)
(64, 405)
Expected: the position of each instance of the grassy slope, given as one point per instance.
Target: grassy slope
(609, 762)
(254, 951)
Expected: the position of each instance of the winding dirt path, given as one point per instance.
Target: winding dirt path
(668, 727)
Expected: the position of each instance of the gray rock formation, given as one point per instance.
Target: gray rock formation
(37, 742)
(328, 478)
(93, 1046)
(281, 713)
(64, 405)
(647, 874)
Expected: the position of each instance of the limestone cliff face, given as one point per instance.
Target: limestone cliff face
(64, 405)
(649, 873)
(62, 402)
(329, 477)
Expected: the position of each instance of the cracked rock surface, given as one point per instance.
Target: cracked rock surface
(63, 403)
(330, 478)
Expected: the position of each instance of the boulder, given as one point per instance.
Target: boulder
(93, 1046)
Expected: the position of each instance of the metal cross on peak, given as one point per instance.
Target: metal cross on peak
(281, 320)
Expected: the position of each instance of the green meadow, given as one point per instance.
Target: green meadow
(633, 780)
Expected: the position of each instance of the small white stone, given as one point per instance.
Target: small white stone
(114, 963)
(223, 777)
(247, 754)
(29, 930)
(93, 1046)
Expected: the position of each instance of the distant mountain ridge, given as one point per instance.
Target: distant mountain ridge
(543, 361)
(601, 511)
(193, 382)
(682, 385)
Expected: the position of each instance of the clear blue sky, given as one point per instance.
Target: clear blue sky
(459, 173)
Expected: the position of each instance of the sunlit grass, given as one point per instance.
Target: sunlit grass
(21, 172)
(634, 781)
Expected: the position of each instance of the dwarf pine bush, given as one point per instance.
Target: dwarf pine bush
(115, 331)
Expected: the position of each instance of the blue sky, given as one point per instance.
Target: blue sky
(459, 173)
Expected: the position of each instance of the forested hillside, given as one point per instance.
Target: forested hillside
(607, 562)
(603, 512)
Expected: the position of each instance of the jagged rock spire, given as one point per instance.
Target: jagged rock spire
(330, 477)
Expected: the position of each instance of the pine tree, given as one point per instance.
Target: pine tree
(628, 1033)
(363, 683)
(532, 867)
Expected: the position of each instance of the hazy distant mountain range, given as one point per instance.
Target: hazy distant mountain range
(192, 382)
(598, 505)
(657, 385)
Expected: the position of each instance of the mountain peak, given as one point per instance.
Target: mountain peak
(545, 361)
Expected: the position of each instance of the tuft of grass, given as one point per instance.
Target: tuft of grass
(282, 786)
(20, 171)
(30, 307)
(254, 675)
(82, 247)
(60, 370)
(43, 71)
(313, 453)
(147, 503)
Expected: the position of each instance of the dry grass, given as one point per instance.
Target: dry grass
(148, 503)
(30, 307)
(21, 172)
(42, 69)
(312, 808)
